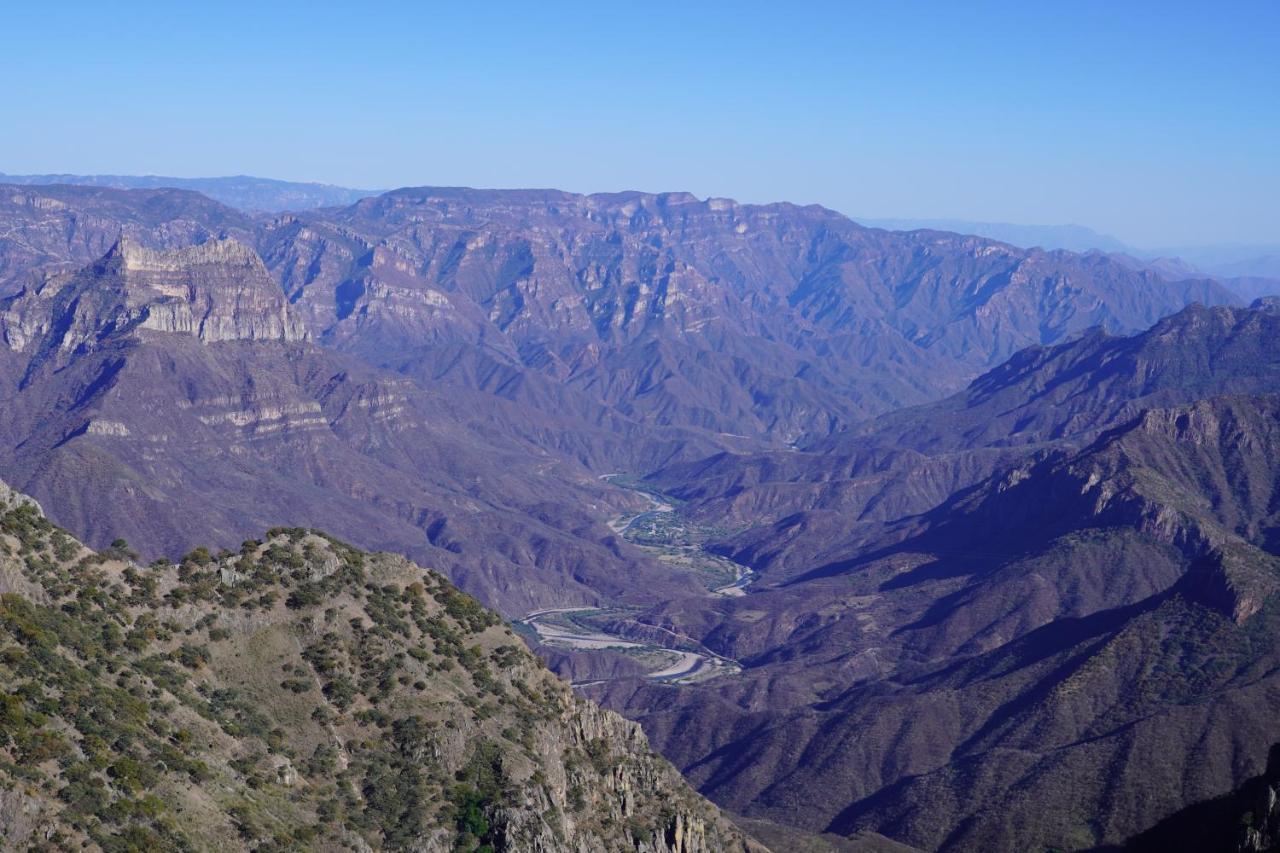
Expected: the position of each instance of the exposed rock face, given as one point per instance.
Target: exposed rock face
(10, 498)
(1245, 820)
(216, 291)
(302, 693)
(1261, 822)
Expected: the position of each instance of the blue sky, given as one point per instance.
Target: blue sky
(1156, 122)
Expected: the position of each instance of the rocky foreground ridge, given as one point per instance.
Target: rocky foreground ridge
(299, 694)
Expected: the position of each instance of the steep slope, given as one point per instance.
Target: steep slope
(173, 398)
(1246, 820)
(956, 611)
(1099, 621)
(299, 694)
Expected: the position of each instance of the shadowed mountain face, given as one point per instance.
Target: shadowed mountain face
(1054, 633)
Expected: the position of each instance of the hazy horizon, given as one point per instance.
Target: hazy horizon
(1152, 124)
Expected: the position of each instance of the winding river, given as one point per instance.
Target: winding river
(556, 627)
(557, 631)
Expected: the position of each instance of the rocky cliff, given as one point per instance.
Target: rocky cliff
(47, 228)
(215, 291)
(1245, 820)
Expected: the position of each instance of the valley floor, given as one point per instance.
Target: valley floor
(675, 659)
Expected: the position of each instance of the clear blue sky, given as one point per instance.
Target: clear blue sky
(1156, 122)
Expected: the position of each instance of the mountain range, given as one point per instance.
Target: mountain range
(449, 372)
(265, 195)
(1074, 238)
(880, 535)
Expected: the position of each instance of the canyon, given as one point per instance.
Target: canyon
(879, 535)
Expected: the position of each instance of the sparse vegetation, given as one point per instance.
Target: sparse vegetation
(312, 691)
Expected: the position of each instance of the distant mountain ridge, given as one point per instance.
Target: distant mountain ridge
(1243, 261)
(1224, 262)
(250, 194)
(269, 195)
(1074, 238)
